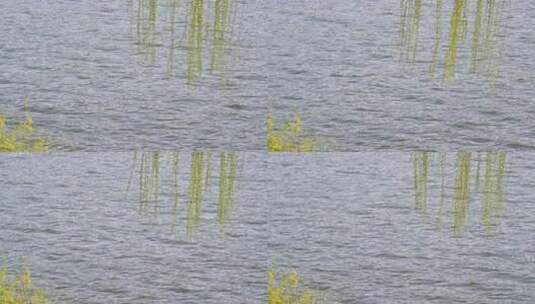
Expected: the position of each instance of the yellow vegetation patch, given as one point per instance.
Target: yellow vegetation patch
(20, 289)
(21, 137)
(290, 137)
(287, 288)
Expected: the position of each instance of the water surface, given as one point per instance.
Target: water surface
(204, 227)
(398, 75)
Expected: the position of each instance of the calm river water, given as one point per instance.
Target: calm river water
(117, 75)
(169, 227)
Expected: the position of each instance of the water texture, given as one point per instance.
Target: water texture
(162, 74)
(160, 116)
(201, 227)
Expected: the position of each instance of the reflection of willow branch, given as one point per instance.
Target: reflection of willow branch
(195, 40)
(421, 174)
(486, 41)
(411, 11)
(195, 17)
(208, 174)
(147, 169)
(149, 179)
(221, 27)
(461, 198)
(438, 36)
(146, 28)
(227, 177)
(476, 37)
(174, 6)
(493, 189)
(491, 194)
(442, 186)
(493, 42)
(478, 171)
(464, 21)
(195, 191)
(456, 34)
(175, 158)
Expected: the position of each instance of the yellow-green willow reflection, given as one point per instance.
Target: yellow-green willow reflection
(227, 177)
(147, 170)
(465, 192)
(421, 173)
(487, 42)
(493, 190)
(438, 36)
(456, 34)
(175, 190)
(461, 196)
(207, 26)
(222, 25)
(195, 191)
(411, 13)
(149, 183)
(147, 15)
(481, 20)
(440, 212)
(173, 12)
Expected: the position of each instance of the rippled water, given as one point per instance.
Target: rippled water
(103, 225)
(117, 75)
(362, 227)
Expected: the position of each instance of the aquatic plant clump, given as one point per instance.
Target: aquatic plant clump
(287, 288)
(20, 289)
(291, 137)
(21, 137)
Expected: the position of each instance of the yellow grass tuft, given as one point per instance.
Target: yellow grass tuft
(290, 137)
(20, 289)
(286, 288)
(21, 137)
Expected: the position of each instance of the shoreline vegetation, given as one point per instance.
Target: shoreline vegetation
(20, 137)
(282, 288)
(289, 288)
(20, 288)
(291, 137)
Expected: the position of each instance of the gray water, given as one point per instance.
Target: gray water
(353, 224)
(103, 225)
(106, 76)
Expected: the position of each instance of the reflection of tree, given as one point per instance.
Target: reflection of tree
(465, 187)
(483, 20)
(206, 27)
(147, 170)
(461, 197)
(149, 183)
(493, 189)
(227, 177)
(411, 13)
(421, 173)
(487, 41)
